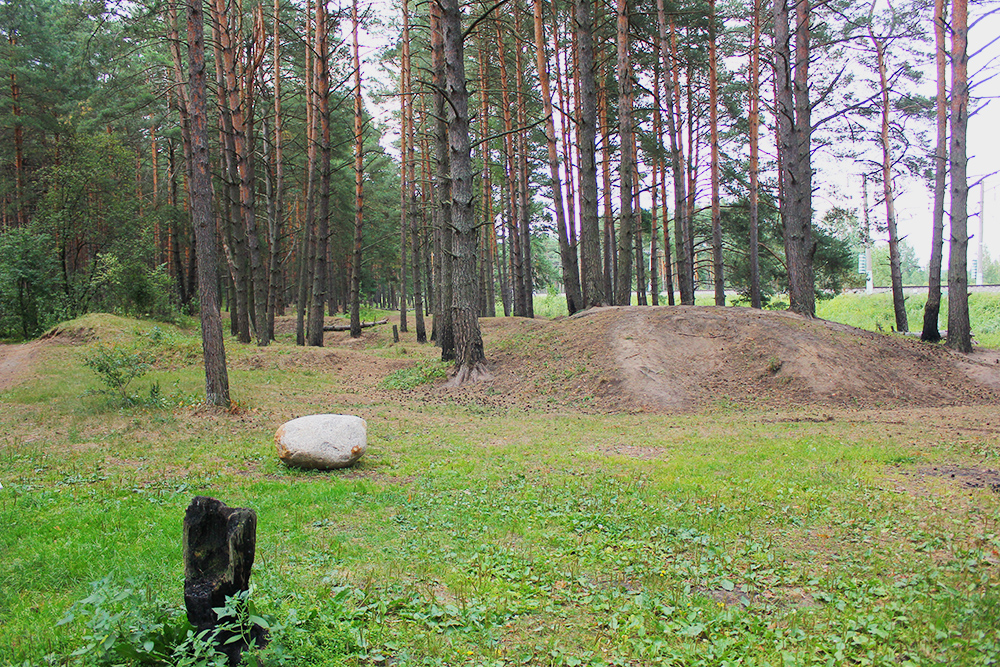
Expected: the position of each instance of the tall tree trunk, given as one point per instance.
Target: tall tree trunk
(667, 263)
(637, 242)
(682, 226)
(445, 330)
(359, 193)
(713, 109)
(570, 271)
(754, 112)
(410, 171)
(469, 354)
(959, 329)
(489, 229)
(895, 272)
(626, 226)
(932, 308)
(231, 212)
(590, 230)
(275, 229)
(321, 244)
(795, 132)
(213, 346)
(513, 236)
(410, 167)
(610, 249)
(240, 121)
(523, 200)
(654, 258)
(404, 185)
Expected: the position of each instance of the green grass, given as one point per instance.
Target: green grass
(476, 537)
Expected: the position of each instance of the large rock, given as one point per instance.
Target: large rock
(322, 441)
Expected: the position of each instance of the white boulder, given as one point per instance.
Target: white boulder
(322, 441)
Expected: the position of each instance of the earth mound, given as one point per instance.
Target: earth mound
(678, 358)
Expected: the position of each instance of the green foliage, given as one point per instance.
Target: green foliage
(123, 624)
(29, 300)
(913, 273)
(117, 366)
(416, 375)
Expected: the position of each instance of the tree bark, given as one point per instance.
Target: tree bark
(794, 133)
(321, 243)
(276, 220)
(523, 172)
(445, 329)
(713, 109)
(895, 272)
(359, 192)
(626, 227)
(959, 329)
(469, 354)
(590, 230)
(754, 113)
(308, 248)
(404, 185)
(516, 272)
(610, 250)
(410, 167)
(213, 346)
(489, 235)
(932, 308)
(682, 224)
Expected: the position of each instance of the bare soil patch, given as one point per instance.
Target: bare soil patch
(684, 358)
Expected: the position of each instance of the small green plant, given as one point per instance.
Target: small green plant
(416, 375)
(117, 366)
(121, 625)
(773, 365)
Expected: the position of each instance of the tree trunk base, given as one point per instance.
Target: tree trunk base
(467, 374)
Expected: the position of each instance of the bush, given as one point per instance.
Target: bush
(117, 367)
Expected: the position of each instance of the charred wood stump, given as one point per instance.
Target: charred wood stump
(219, 545)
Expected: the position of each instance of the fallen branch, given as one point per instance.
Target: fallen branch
(347, 327)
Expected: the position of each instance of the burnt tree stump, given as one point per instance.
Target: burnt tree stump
(219, 545)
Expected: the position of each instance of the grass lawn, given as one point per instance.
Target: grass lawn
(473, 536)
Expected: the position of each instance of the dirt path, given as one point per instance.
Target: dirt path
(15, 363)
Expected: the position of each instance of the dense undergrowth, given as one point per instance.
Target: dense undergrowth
(471, 536)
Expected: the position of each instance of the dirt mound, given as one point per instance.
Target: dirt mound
(686, 357)
(621, 359)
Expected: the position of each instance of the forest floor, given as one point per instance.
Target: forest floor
(636, 485)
